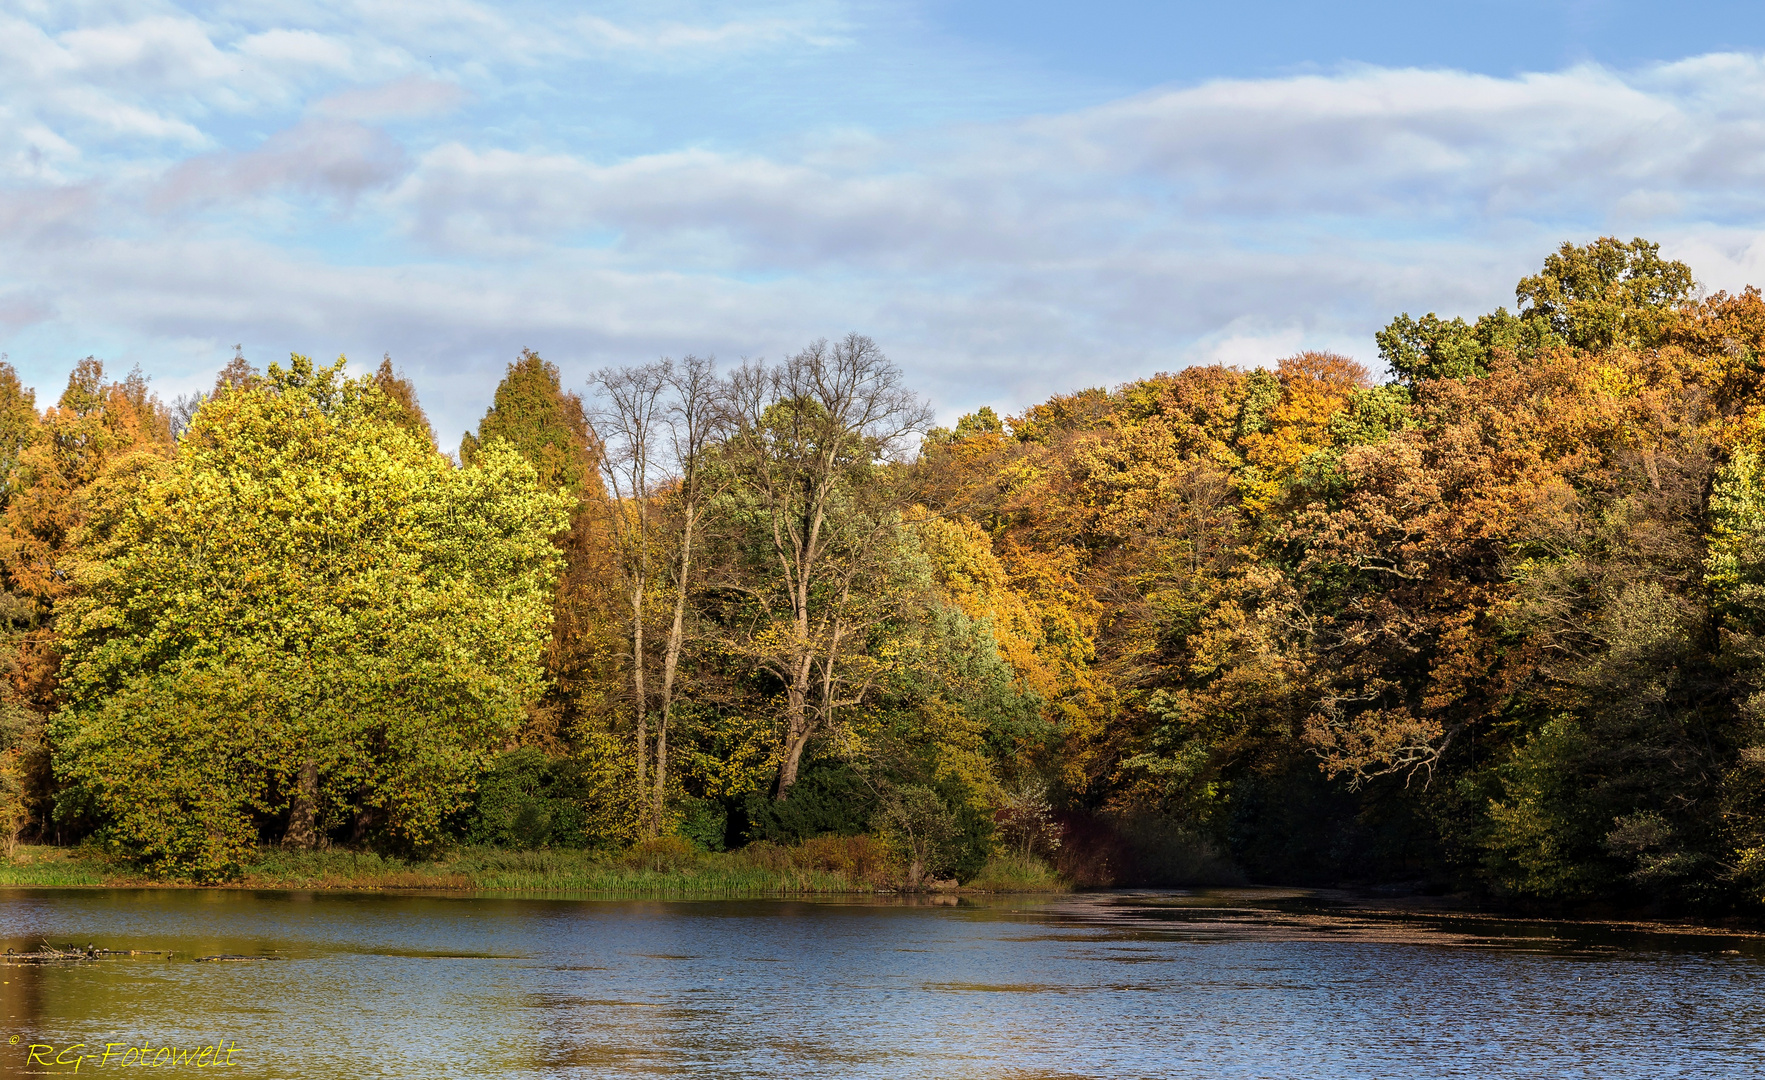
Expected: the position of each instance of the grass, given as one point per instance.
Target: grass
(668, 867)
(1014, 873)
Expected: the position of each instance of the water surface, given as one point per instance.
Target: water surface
(1249, 983)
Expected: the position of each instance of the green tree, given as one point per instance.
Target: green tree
(306, 612)
(1607, 293)
(546, 423)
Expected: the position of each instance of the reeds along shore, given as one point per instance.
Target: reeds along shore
(825, 866)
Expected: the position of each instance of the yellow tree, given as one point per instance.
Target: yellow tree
(307, 615)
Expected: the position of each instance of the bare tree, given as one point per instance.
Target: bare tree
(810, 444)
(627, 424)
(696, 417)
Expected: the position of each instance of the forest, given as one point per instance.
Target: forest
(1493, 626)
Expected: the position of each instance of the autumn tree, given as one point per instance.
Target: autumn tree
(403, 396)
(697, 417)
(307, 616)
(547, 425)
(810, 450)
(96, 425)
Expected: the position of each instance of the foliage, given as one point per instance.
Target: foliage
(526, 800)
(1495, 624)
(305, 585)
(829, 797)
(542, 421)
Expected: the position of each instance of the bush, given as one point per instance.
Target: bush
(860, 858)
(828, 797)
(971, 845)
(662, 855)
(1015, 872)
(528, 800)
(705, 823)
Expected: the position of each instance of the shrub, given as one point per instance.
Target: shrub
(828, 797)
(705, 823)
(1014, 872)
(662, 855)
(860, 858)
(528, 800)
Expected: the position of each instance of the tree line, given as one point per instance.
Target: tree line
(1492, 624)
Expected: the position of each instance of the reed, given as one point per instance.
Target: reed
(665, 867)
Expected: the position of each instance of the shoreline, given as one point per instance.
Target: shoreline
(773, 872)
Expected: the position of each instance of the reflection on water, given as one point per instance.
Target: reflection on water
(1242, 983)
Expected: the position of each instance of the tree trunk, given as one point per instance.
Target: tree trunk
(671, 662)
(637, 693)
(303, 813)
(797, 724)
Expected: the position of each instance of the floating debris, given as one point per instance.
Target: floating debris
(72, 954)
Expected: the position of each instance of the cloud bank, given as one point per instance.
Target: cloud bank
(172, 184)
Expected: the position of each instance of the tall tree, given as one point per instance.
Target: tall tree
(627, 429)
(547, 425)
(96, 425)
(810, 449)
(542, 420)
(399, 390)
(697, 417)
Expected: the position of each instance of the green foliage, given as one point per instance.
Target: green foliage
(1013, 872)
(1543, 831)
(704, 823)
(938, 829)
(543, 422)
(1373, 415)
(1262, 392)
(1607, 293)
(1735, 566)
(383, 614)
(982, 420)
(1432, 348)
(172, 763)
(526, 800)
(828, 797)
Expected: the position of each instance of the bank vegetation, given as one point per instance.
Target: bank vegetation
(1490, 622)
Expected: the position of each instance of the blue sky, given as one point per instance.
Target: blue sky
(1012, 198)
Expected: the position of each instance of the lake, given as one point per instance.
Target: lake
(1238, 983)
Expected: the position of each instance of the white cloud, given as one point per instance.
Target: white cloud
(1236, 221)
(410, 97)
(678, 37)
(299, 49)
(324, 158)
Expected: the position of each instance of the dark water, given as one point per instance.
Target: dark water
(1233, 984)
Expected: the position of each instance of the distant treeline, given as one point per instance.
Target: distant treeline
(1495, 625)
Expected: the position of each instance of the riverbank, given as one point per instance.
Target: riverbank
(825, 866)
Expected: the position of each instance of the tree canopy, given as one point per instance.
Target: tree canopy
(304, 581)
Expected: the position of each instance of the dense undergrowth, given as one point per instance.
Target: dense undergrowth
(666, 867)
